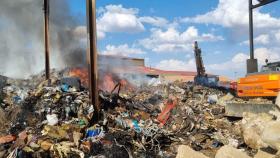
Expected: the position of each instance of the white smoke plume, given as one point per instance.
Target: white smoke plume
(22, 37)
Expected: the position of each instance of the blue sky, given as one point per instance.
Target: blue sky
(163, 32)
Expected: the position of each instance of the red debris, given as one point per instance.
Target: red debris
(164, 115)
(7, 139)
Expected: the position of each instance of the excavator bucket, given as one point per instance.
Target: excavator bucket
(237, 109)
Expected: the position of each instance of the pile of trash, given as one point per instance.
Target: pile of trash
(55, 119)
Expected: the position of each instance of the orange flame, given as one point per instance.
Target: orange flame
(81, 73)
(107, 82)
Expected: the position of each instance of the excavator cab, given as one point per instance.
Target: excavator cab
(208, 80)
(271, 67)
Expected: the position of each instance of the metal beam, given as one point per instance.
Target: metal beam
(92, 55)
(46, 32)
(262, 3)
(251, 31)
(252, 63)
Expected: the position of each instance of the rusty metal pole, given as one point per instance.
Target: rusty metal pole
(92, 56)
(46, 30)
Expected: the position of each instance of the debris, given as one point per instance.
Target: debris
(64, 149)
(3, 119)
(212, 99)
(178, 89)
(28, 149)
(164, 115)
(186, 152)
(230, 152)
(3, 82)
(56, 120)
(65, 87)
(94, 133)
(277, 102)
(262, 154)
(46, 145)
(7, 139)
(13, 154)
(2, 153)
(77, 137)
(34, 146)
(223, 100)
(73, 82)
(52, 119)
(55, 132)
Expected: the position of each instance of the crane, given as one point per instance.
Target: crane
(202, 78)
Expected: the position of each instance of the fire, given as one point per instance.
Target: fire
(107, 81)
(81, 73)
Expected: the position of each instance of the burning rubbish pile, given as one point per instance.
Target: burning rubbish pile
(54, 119)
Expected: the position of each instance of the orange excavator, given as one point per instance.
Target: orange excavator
(259, 92)
(265, 83)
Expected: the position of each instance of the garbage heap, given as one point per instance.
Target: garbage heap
(54, 119)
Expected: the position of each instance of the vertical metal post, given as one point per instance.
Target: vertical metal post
(92, 55)
(252, 63)
(46, 32)
(251, 36)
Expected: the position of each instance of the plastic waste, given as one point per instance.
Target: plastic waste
(94, 133)
(52, 119)
(212, 99)
(65, 87)
(135, 126)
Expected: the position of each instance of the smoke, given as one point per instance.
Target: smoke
(22, 41)
(22, 37)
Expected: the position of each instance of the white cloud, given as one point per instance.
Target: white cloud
(176, 65)
(234, 13)
(262, 39)
(172, 40)
(239, 58)
(116, 18)
(155, 21)
(263, 53)
(238, 62)
(277, 36)
(122, 50)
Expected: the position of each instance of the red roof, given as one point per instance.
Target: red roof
(152, 71)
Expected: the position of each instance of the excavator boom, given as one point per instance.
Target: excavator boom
(202, 78)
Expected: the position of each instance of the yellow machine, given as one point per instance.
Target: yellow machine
(262, 84)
